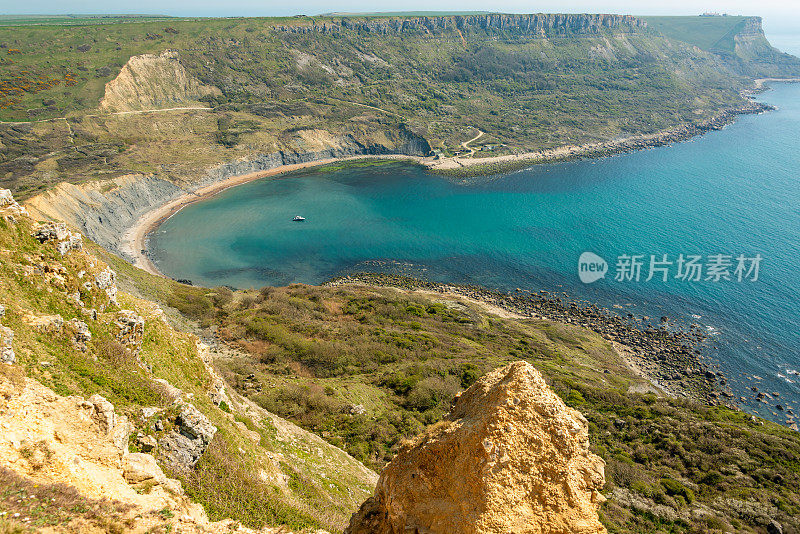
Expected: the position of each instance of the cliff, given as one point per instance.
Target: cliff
(114, 421)
(509, 457)
(534, 25)
(151, 81)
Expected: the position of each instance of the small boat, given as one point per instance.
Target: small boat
(298, 218)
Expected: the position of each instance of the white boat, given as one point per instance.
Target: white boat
(298, 218)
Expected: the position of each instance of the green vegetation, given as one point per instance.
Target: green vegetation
(284, 86)
(367, 367)
(36, 282)
(75, 20)
(708, 33)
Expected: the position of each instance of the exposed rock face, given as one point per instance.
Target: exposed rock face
(105, 211)
(182, 447)
(149, 81)
(107, 281)
(509, 457)
(130, 330)
(10, 210)
(6, 350)
(538, 25)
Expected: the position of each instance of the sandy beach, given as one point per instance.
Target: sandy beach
(134, 240)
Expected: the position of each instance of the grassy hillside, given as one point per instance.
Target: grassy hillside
(739, 41)
(239, 475)
(708, 33)
(368, 367)
(278, 78)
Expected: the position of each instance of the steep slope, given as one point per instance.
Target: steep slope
(150, 82)
(739, 41)
(375, 84)
(150, 394)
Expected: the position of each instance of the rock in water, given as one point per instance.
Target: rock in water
(509, 457)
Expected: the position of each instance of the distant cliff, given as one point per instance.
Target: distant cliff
(539, 25)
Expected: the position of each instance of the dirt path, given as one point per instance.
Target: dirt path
(465, 144)
(133, 112)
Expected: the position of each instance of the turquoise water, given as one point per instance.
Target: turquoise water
(736, 191)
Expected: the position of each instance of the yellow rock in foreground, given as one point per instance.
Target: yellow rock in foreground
(510, 457)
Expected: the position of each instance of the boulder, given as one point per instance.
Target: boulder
(140, 469)
(51, 232)
(146, 443)
(107, 281)
(182, 446)
(80, 333)
(509, 457)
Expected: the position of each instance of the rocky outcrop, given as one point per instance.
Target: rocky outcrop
(182, 447)
(7, 354)
(153, 81)
(130, 330)
(10, 209)
(535, 25)
(104, 210)
(509, 457)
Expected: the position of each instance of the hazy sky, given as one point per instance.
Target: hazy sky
(779, 15)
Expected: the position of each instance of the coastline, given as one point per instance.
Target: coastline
(667, 355)
(134, 239)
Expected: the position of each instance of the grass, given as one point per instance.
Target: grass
(527, 94)
(127, 379)
(367, 368)
(38, 505)
(708, 33)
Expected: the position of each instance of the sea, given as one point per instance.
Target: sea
(727, 201)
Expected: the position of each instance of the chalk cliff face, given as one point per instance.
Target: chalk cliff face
(541, 25)
(148, 81)
(509, 457)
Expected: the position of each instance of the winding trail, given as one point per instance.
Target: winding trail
(465, 144)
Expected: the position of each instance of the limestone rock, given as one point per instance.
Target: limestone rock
(130, 329)
(51, 232)
(139, 468)
(10, 209)
(509, 457)
(182, 447)
(103, 413)
(80, 333)
(146, 443)
(73, 242)
(47, 323)
(6, 350)
(107, 281)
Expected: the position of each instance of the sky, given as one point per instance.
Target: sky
(779, 15)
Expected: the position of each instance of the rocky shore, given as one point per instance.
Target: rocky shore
(466, 167)
(668, 354)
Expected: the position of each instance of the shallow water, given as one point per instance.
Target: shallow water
(736, 191)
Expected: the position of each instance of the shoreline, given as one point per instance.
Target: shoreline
(134, 239)
(660, 352)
